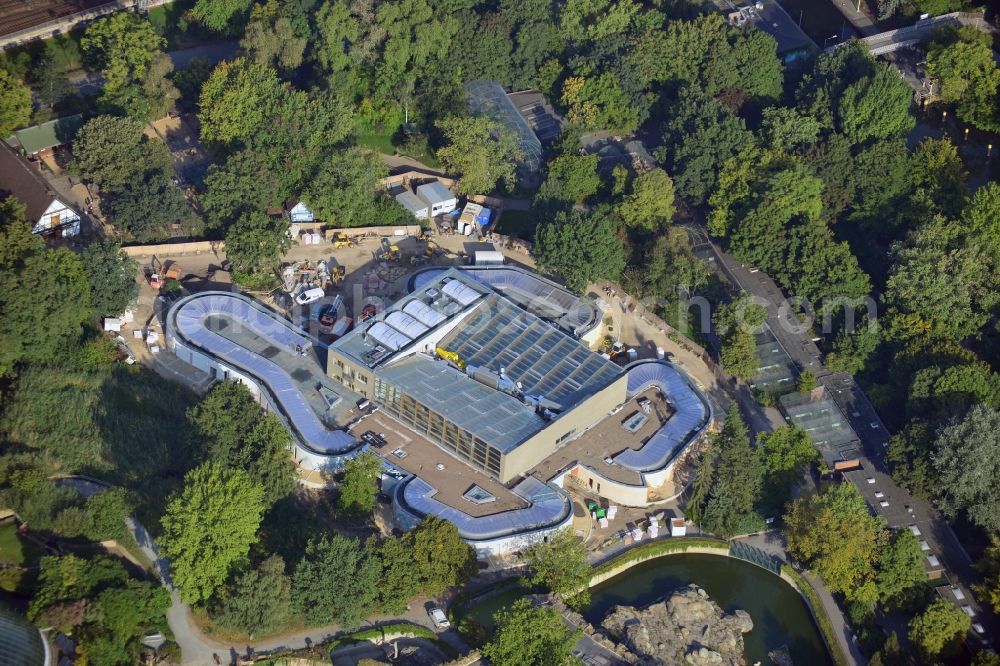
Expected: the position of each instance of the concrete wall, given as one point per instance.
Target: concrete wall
(581, 476)
(543, 444)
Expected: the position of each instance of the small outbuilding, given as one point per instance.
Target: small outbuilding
(299, 213)
(411, 202)
(438, 198)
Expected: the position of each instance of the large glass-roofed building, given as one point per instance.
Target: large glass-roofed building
(488, 98)
(483, 378)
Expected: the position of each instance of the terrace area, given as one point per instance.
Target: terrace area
(452, 480)
(607, 438)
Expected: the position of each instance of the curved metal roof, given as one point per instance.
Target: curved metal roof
(188, 317)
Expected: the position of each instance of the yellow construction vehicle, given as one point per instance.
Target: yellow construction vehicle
(341, 240)
(430, 249)
(450, 356)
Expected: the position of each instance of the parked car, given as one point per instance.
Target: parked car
(310, 296)
(438, 617)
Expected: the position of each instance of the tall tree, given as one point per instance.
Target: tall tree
(833, 533)
(258, 601)
(237, 100)
(561, 565)
(236, 433)
(876, 107)
(736, 323)
(345, 188)
(335, 581)
(528, 634)
(219, 15)
(650, 204)
(255, 244)
(481, 152)
(31, 275)
(581, 247)
(112, 277)
(700, 134)
(15, 103)
(360, 484)
(729, 507)
(961, 61)
(967, 459)
(110, 150)
(938, 631)
(442, 559)
(208, 527)
(900, 569)
(123, 46)
(784, 455)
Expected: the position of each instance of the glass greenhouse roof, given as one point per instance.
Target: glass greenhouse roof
(487, 98)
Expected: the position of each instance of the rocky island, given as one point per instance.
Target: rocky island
(685, 628)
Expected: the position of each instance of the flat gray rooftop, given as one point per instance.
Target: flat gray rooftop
(499, 419)
(825, 424)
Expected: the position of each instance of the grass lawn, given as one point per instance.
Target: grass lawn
(12, 549)
(382, 143)
(520, 223)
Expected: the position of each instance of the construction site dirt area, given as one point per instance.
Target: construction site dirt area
(451, 477)
(609, 437)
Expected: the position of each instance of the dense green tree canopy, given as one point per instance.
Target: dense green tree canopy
(939, 629)
(561, 565)
(259, 600)
(236, 433)
(112, 277)
(833, 533)
(966, 458)
(44, 294)
(255, 244)
(346, 187)
(581, 247)
(109, 150)
(528, 634)
(335, 582)
(360, 484)
(15, 103)
(961, 61)
(783, 455)
(724, 504)
(736, 323)
(480, 152)
(208, 527)
(218, 15)
(442, 559)
(650, 205)
(237, 100)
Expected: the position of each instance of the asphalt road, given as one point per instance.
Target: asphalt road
(885, 498)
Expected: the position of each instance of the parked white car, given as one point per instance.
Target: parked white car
(310, 296)
(438, 617)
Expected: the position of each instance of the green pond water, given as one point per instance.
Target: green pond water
(780, 616)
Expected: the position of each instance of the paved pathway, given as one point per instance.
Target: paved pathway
(773, 543)
(861, 23)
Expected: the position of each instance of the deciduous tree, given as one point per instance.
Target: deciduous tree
(783, 455)
(650, 204)
(360, 484)
(218, 15)
(481, 152)
(561, 566)
(528, 634)
(15, 103)
(335, 581)
(833, 533)
(258, 601)
(581, 247)
(209, 526)
(967, 458)
(939, 629)
(442, 559)
(254, 244)
(112, 277)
